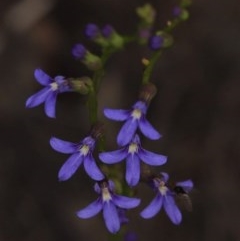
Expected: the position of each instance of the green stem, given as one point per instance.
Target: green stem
(148, 71)
(92, 97)
(171, 25)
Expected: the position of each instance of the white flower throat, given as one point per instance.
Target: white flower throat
(162, 188)
(54, 86)
(136, 114)
(84, 150)
(106, 196)
(133, 147)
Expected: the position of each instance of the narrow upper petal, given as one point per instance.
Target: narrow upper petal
(165, 176)
(38, 98)
(153, 208)
(113, 156)
(111, 217)
(50, 104)
(70, 166)
(148, 130)
(42, 77)
(125, 202)
(92, 169)
(91, 210)
(127, 131)
(118, 115)
(171, 209)
(151, 158)
(62, 146)
(186, 185)
(132, 170)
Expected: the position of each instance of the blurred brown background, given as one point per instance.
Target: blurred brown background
(197, 111)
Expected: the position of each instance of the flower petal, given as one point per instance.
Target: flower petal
(70, 166)
(153, 208)
(127, 131)
(50, 104)
(165, 176)
(132, 170)
(125, 202)
(186, 185)
(42, 78)
(38, 98)
(172, 210)
(111, 217)
(91, 210)
(151, 158)
(92, 169)
(113, 156)
(148, 130)
(117, 115)
(62, 146)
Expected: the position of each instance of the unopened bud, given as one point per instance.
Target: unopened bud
(147, 92)
(97, 130)
(81, 85)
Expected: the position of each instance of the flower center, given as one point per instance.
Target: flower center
(136, 114)
(54, 86)
(162, 188)
(133, 147)
(84, 150)
(106, 196)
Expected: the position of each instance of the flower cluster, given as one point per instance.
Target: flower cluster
(91, 152)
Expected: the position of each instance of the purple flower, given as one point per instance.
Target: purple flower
(81, 153)
(133, 153)
(130, 236)
(107, 31)
(52, 87)
(177, 11)
(135, 118)
(79, 51)
(165, 197)
(156, 42)
(108, 202)
(92, 31)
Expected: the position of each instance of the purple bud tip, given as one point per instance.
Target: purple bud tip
(130, 236)
(107, 30)
(79, 51)
(91, 30)
(156, 42)
(177, 11)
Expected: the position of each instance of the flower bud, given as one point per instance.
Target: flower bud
(147, 92)
(81, 85)
(160, 40)
(114, 39)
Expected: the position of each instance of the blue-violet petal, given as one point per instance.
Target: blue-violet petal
(42, 77)
(113, 156)
(111, 217)
(62, 146)
(92, 169)
(70, 166)
(172, 210)
(153, 208)
(50, 104)
(148, 130)
(151, 158)
(117, 115)
(91, 210)
(38, 98)
(132, 170)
